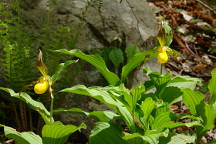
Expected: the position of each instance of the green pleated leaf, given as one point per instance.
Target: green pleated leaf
(22, 137)
(105, 133)
(60, 69)
(195, 102)
(72, 110)
(136, 93)
(184, 82)
(192, 99)
(160, 80)
(135, 61)
(163, 121)
(169, 33)
(147, 107)
(181, 139)
(208, 114)
(35, 105)
(116, 57)
(131, 51)
(57, 133)
(96, 61)
(99, 94)
(108, 96)
(212, 86)
(127, 117)
(170, 94)
(150, 137)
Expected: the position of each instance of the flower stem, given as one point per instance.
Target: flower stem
(51, 107)
(161, 69)
(52, 103)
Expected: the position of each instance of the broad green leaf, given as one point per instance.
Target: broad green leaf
(72, 110)
(160, 80)
(128, 118)
(101, 95)
(170, 94)
(164, 120)
(57, 133)
(96, 61)
(212, 142)
(212, 86)
(60, 69)
(136, 93)
(106, 97)
(131, 51)
(116, 56)
(192, 99)
(35, 105)
(147, 107)
(22, 137)
(208, 114)
(104, 116)
(184, 82)
(169, 33)
(105, 133)
(150, 137)
(181, 139)
(165, 35)
(135, 61)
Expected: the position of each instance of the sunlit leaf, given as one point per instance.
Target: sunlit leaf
(105, 133)
(57, 133)
(22, 137)
(192, 99)
(212, 86)
(208, 114)
(180, 139)
(60, 69)
(150, 137)
(147, 107)
(101, 95)
(96, 61)
(135, 61)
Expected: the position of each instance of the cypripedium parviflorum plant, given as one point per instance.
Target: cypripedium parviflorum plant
(165, 38)
(44, 82)
(53, 131)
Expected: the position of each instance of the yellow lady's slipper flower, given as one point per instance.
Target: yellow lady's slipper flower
(162, 57)
(42, 86)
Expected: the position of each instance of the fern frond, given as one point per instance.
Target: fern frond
(15, 57)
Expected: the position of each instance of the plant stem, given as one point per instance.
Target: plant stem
(52, 101)
(161, 69)
(51, 107)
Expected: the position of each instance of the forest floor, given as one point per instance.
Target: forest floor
(194, 36)
(194, 27)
